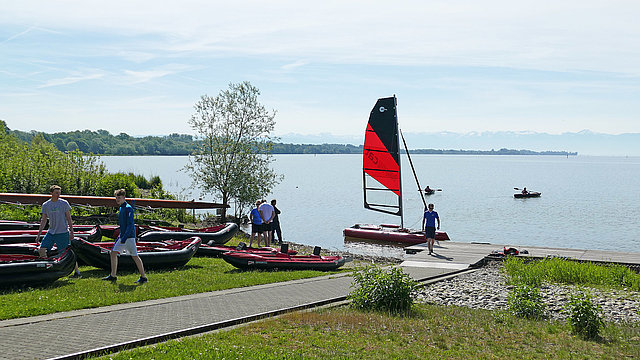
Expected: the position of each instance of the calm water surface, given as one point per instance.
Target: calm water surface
(586, 202)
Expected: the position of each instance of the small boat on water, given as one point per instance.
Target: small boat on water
(23, 269)
(531, 194)
(212, 235)
(154, 255)
(281, 261)
(217, 250)
(389, 233)
(29, 236)
(382, 180)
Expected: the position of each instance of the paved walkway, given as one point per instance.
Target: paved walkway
(71, 334)
(75, 333)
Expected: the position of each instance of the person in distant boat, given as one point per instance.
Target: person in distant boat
(256, 223)
(429, 225)
(525, 191)
(126, 242)
(60, 231)
(275, 224)
(267, 213)
(428, 189)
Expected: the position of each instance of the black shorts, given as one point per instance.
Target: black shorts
(430, 232)
(267, 227)
(256, 228)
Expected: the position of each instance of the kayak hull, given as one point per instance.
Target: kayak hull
(154, 255)
(390, 233)
(282, 261)
(19, 269)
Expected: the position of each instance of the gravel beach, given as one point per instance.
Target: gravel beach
(486, 288)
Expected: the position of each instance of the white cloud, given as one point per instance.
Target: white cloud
(570, 34)
(70, 80)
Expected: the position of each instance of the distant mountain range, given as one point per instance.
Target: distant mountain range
(583, 142)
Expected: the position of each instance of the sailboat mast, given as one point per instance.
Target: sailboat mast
(395, 103)
(413, 169)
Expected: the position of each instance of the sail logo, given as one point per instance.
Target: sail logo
(371, 156)
(382, 109)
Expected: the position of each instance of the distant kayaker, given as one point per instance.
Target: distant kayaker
(429, 226)
(60, 233)
(256, 224)
(126, 242)
(525, 191)
(275, 224)
(427, 189)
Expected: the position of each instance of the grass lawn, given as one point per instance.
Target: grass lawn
(198, 276)
(429, 332)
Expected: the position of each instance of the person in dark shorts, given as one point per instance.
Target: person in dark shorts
(275, 224)
(267, 213)
(429, 226)
(60, 232)
(256, 224)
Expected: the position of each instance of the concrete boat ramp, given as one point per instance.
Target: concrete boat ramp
(451, 257)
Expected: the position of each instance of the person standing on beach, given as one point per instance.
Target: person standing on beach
(60, 232)
(126, 242)
(429, 226)
(256, 223)
(275, 224)
(267, 213)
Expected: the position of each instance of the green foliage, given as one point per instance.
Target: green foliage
(563, 271)
(102, 142)
(584, 316)
(525, 301)
(233, 158)
(111, 182)
(381, 289)
(32, 168)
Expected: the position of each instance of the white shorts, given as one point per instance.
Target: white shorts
(128, 248)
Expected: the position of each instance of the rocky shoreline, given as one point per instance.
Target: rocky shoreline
(486, 288)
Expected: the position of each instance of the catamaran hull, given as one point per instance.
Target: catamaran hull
(218, 236)
(218, 250)
(158, 256)
(390, 234)
(29, 236)
(32, 270)
(283, 261)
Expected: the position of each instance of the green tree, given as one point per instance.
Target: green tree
(232, 161)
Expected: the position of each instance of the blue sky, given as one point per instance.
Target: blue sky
(461, 66)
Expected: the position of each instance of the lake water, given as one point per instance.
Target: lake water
(586, 203)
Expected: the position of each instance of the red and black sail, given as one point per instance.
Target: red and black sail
(381, 163)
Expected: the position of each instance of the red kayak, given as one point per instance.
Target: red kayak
(218, 250)
(390, 233)
(282, 261)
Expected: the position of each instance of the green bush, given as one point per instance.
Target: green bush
(381, 289)
(525, 301)
(584, 316)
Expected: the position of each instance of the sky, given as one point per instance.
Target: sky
(458, 66)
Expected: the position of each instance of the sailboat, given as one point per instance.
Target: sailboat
(382, 180)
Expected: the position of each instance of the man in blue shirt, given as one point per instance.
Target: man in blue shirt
(126, 241)
(429, 226)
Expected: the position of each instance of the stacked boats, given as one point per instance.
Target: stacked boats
(158, 248)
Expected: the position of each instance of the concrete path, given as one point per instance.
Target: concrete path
(77, 333)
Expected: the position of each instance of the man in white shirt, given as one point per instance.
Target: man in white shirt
(267, 213)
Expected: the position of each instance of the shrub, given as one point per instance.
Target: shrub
(525, 301)
(388, 289)
(584, 316)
